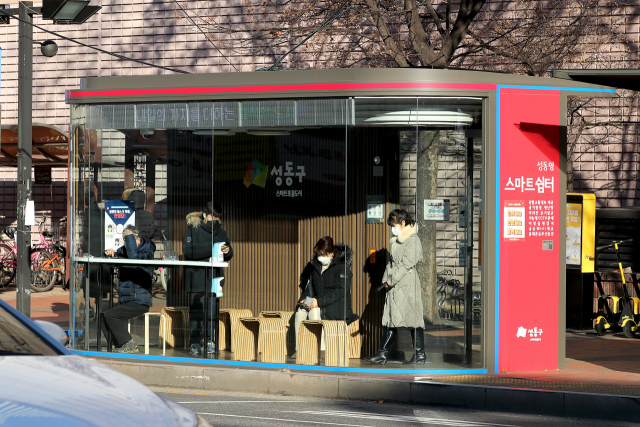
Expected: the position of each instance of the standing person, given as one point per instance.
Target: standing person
(403, 302)
(134, 289)
(205, 229)
(329, 286)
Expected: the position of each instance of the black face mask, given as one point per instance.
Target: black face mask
(211, 225)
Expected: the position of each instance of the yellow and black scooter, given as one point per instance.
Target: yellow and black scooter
(624, 311)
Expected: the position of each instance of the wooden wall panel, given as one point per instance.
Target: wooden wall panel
(273, 241)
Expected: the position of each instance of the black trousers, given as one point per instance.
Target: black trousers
(115, 321)
(196, 317)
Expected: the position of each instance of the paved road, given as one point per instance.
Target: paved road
(244, 409)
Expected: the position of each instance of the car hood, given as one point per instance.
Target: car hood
(73, 391)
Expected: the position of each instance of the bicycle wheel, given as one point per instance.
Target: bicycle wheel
(8, 267)
(43, 270)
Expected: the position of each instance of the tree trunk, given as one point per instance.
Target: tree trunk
(426, 188)
(569, 175)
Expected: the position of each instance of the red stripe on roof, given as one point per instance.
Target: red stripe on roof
(278, 88)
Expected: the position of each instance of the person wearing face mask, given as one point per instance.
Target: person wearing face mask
(204, 230)
(327, 294)
(403, 302)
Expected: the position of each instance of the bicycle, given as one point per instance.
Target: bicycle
(57, 251)
(42, 277)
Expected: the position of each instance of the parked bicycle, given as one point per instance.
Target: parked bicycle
(58, 252)
(47, 259)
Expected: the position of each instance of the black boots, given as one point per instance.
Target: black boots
(418, 356)
(387, 336)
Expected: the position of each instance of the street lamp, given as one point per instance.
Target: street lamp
(49, 48)
(60, 12)
(68, 11)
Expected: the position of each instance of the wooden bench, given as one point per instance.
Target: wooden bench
(264, 333)
(287, 318)
(228, 325)
(341, 342)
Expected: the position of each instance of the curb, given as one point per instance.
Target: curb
(477, 397)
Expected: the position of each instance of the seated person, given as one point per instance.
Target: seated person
(134, 289)
(328, 291)
(144, 220)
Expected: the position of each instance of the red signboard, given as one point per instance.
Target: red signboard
(529, 219)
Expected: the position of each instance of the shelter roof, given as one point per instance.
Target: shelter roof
(313, 83)
(621, 79)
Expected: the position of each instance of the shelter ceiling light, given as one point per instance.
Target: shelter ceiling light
(228, 132)
(274, 132)
(412, 118)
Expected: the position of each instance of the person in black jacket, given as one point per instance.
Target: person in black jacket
(134, 289)
(329, 286)
(144, 220)
(205, 229)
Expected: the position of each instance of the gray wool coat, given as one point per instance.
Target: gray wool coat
(403, 303)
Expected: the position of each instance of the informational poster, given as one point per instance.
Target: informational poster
(574, 233)
(514, 220)
(117, 215)
(436, 210)
(375, 210)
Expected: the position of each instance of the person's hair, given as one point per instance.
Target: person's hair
(324, 246)
(396, 216)
(133, 229)
(213, 208)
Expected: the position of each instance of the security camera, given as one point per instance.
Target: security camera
(49, 48)
(146, 133)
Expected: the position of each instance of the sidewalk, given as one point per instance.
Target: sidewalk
(601, 378)
(51, 306)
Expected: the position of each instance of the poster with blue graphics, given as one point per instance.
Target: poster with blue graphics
(117, 215)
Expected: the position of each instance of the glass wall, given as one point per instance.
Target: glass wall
(293, 199)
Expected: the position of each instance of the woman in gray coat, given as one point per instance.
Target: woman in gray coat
(403, 303)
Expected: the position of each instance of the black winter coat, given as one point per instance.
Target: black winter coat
(197, 245)
(332, 289)
(134, 283)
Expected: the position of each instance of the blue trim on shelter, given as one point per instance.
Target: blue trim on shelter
(231, 363)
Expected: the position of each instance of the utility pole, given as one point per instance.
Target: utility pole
(23, 236)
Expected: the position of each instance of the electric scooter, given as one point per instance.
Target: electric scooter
(624, 310)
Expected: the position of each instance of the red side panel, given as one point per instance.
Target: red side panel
(529, 224)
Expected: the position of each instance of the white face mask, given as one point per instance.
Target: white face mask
(324, 260)
(395, 230)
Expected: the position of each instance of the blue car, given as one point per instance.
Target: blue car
(44, 384)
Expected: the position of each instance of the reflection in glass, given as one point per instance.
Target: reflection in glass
(286, 174)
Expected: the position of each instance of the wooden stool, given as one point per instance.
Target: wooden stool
(174, 324)
(355, 340)
(289, 328)
(227, 326)
(341, 342)
(146, 328)
(262, 333)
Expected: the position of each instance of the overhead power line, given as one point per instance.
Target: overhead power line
(205, 34)
(122, 57)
